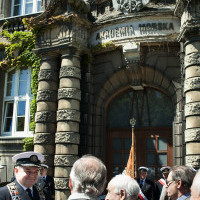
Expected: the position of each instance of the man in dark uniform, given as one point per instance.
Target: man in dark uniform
(146, 185)
(161, 182)
(48, 187)
(26, 170)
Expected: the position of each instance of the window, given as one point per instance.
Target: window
(17, 99)
(24, 7)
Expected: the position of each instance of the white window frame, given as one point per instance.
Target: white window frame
(35, 5)
(15, 99)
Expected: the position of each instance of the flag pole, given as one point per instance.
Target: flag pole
(132, 123)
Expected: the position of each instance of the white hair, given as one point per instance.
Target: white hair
(126, 183)
(88, 175)
(195, 184)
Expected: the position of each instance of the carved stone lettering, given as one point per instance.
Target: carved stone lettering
(69, 71)
(46, 95)
(68, 114)
(45, 116)
(72, 93)
(67, 137)
(64, 160)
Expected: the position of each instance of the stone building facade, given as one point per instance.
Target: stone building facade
(104, 62)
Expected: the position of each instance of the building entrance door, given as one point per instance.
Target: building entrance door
(153, 149)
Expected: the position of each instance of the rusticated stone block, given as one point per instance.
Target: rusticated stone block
(72, 93)
(48, 75)
(192, 109)
(44, 138)
(45, 127)
(193, 161)
(192, 59)
(68, 114)
(192, 134)
(46, 95)
(69, 71)
(68, 104)
(192, 84)
(44, 149)
(47, 106)
(64, 160)
(61, 183)
(62, 171)
(68, 126)
(65, 149)
(67, 137)
(45, 116)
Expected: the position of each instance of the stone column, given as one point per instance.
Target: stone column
(68, 119)
(192, 97)
(44, 138)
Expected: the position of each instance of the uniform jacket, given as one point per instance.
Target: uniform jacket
(5, 193)
(147, 189)
(48, 188)
(158, 190)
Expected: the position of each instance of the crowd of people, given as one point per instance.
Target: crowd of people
(88, 180)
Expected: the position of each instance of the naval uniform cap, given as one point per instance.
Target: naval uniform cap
(44, 165)
(165, 169)
(28, 159)
(143, 169)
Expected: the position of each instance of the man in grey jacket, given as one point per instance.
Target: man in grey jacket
(87, 178)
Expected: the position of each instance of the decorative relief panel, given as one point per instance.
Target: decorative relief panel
(192, 109)
(193, 161)
(67, 137)
(44, 138)
(48, 75)
(192, 59)
(64, 160)
(45, 116)
(61, 183)
(192, 84)
(68, 114)
(192, 135)
(69, 71)
(46, 95)
(72, 93)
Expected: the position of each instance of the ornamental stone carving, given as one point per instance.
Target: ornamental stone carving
(65, 160)
(48, 75)
(192, 135)
(192, 109)
(192, 84)
(72, 93)
(70, 71)
(67, 137)
(192, 59)
(193, 161)
(45, 116)
(129, 6)
(68, 114)
(46, 95)
(43, 138)
(61, 183)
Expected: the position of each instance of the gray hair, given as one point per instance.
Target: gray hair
(195, 184)
(126, 183)
(183, 173)
(88, 175)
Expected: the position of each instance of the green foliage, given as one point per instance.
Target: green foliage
(104, 46)
(28, 144)
(19, 53)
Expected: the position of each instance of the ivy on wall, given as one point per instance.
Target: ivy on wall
(19, 53)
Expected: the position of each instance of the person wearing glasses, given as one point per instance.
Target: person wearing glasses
(179, 182)
(27, 169)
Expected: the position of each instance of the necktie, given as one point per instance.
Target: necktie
(141, 183)
(29, 193)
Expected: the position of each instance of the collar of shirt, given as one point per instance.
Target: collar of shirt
(184, 196)
(26, 188)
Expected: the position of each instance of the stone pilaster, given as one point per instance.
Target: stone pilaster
(68, 119)
(44, 138)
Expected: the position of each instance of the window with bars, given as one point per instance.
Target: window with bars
(24, 7)
(17, 99)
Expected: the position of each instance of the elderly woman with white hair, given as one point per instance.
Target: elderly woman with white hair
(122, 187)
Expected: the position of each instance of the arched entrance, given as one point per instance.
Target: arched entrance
(153, 111)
